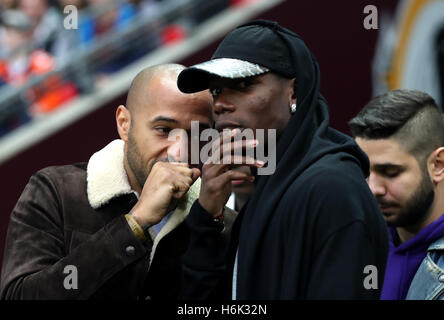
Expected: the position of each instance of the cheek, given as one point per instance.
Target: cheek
(402, 188)
(148, 145)
(279, 111)
(269, 105)
(154, 148)
(259, 103)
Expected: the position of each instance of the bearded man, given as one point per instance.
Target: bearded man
(402, 132)
(112, 227)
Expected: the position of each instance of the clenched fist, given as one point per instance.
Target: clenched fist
(166, 184)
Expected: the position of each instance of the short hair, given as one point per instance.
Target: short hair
(411, 117)
(140, 86)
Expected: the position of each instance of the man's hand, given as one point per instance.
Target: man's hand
(166, 184)
(217, 175)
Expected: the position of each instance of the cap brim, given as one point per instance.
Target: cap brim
(197, 78)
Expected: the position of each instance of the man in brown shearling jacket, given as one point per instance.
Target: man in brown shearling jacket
(112, 228)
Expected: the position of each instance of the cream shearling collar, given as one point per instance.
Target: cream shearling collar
(106, 176)
(107, 179)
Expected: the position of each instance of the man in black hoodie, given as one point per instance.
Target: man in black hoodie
(312, 229)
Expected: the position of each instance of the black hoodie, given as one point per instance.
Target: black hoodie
(310, 229)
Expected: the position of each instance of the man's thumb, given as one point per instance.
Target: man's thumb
(196, 174)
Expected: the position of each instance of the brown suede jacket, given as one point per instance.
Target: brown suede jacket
(73, 216)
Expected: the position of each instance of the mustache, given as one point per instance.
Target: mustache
(163, 160)
(156, 161)
(384, 203)
(239, 123)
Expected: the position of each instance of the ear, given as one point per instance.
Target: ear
(123, 121)
(435, 164)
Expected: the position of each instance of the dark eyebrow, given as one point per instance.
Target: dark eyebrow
(385, 166)
(164, 119)
(174, 121)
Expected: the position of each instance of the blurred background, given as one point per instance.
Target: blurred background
(66, 65)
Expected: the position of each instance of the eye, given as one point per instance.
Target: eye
(215, 91)
(391, 172)
(243, 84)
(163, 130)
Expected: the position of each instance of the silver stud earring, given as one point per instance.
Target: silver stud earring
(293, 108)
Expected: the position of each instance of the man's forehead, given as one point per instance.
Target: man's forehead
(180, 120)
(379, 145)
(170, 100)
(384, 152)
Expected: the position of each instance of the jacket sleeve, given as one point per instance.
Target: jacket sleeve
(350, 242)
(204, 262)
(37, 263)
(339, 269)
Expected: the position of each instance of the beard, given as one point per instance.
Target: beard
(140, 171)
(417, 206)
(136, 162)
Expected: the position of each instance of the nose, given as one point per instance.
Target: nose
(222, 104)
(178, 148)
(376, 185)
